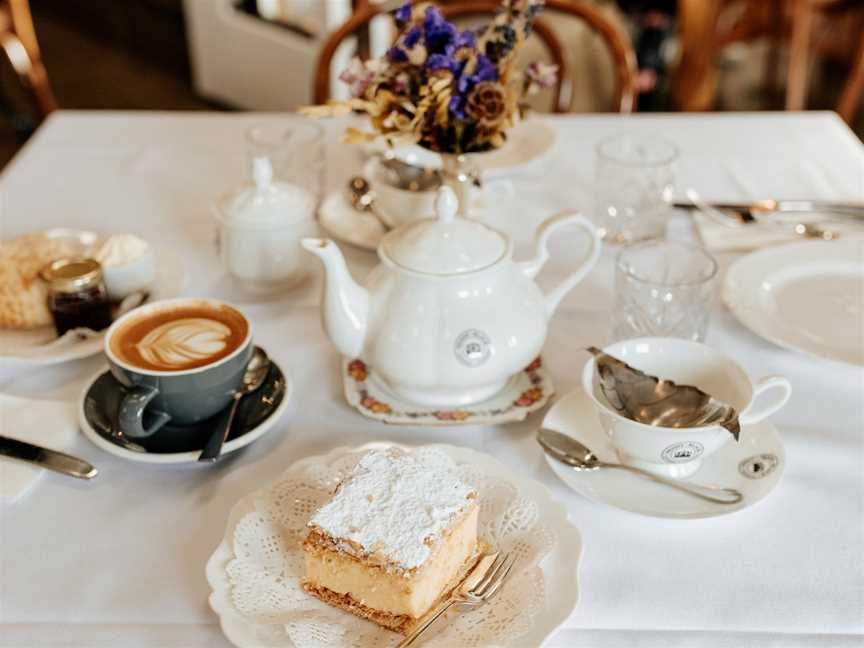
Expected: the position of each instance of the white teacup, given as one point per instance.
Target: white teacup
(399, 206)
(679, 452)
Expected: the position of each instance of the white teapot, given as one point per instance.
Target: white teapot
(447, 317)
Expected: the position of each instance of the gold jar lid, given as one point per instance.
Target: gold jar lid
(73, 274)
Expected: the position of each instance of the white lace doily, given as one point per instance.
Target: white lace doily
(255, 572)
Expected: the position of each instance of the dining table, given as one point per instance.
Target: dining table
(120, 560)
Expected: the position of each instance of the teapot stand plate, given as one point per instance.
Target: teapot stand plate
(525, 392)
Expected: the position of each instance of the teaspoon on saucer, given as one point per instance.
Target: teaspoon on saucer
(253, 378)
(362, 198)
(570, 452)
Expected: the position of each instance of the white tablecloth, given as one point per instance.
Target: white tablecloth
(120, 560)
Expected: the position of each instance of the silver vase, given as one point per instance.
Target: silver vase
(461, 175)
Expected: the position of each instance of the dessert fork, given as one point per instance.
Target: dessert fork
(476, 589)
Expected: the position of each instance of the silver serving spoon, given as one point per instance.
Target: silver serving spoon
(362, 198)
(253, 378)
(656, 401)
(570, 452)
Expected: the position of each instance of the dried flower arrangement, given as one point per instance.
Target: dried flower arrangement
(447, 90)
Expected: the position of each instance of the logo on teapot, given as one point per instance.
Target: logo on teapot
(473, 347)
(682, 452)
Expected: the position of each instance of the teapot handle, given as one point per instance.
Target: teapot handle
(532, 268)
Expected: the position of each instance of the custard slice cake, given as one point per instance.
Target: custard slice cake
(396, 536)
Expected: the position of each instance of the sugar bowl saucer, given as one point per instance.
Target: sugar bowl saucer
(179, 444)
(753, 466)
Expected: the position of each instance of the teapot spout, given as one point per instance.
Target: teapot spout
(346, 304)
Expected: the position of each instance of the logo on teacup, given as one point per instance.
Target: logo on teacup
(180, 342)
(473, 347)
(682, 452)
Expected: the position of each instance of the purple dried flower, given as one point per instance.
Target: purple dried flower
(397, 54)
(412, 36)
(539, 76)
(456, 106)
(358, 76)
(485, 70)
(465, 38)
(403, 13)
(440, 62)
(439, 32)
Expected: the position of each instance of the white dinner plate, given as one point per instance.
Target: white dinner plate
(753, 466)
(39, 347)
(256, 570)
(806, 296)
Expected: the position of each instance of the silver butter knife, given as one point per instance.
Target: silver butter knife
(850, 209)
(45, 458)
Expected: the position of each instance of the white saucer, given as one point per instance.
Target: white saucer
(348, 225)
(277, 385)
(806, 296)
(40, 346)
(752, 466)
(525, 392)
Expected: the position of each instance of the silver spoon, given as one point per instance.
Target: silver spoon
(657, 401)
(411, 177)
(570, 452)
(253, 378)
(363, 197)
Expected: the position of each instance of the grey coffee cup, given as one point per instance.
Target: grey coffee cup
(153, 398)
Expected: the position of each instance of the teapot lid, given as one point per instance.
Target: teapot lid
(266, 200)
(444, 245)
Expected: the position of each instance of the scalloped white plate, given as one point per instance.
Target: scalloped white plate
(559, 567)
(31, 348)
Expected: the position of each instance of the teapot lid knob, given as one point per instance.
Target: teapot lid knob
(446, 205)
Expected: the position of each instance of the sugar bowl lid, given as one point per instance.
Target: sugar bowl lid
(266, 201)
(444, 245)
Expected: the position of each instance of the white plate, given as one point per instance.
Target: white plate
(527, 142)
(806, 296)
(174, 458)
(24, 349)
(260, 573)
(348, 225)
(753, 466)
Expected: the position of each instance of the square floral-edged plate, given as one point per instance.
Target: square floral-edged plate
(525, 392)
(255, 572)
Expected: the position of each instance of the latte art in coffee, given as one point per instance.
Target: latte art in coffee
(179, 337)
(184, 341)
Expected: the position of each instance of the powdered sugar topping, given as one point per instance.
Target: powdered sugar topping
(396, 505)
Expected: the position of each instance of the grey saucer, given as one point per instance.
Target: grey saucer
(179, 443)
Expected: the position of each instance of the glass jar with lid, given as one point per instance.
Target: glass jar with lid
(77, 297)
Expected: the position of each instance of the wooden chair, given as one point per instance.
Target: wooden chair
(706, 27)
(617, 41)
(18, 39)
